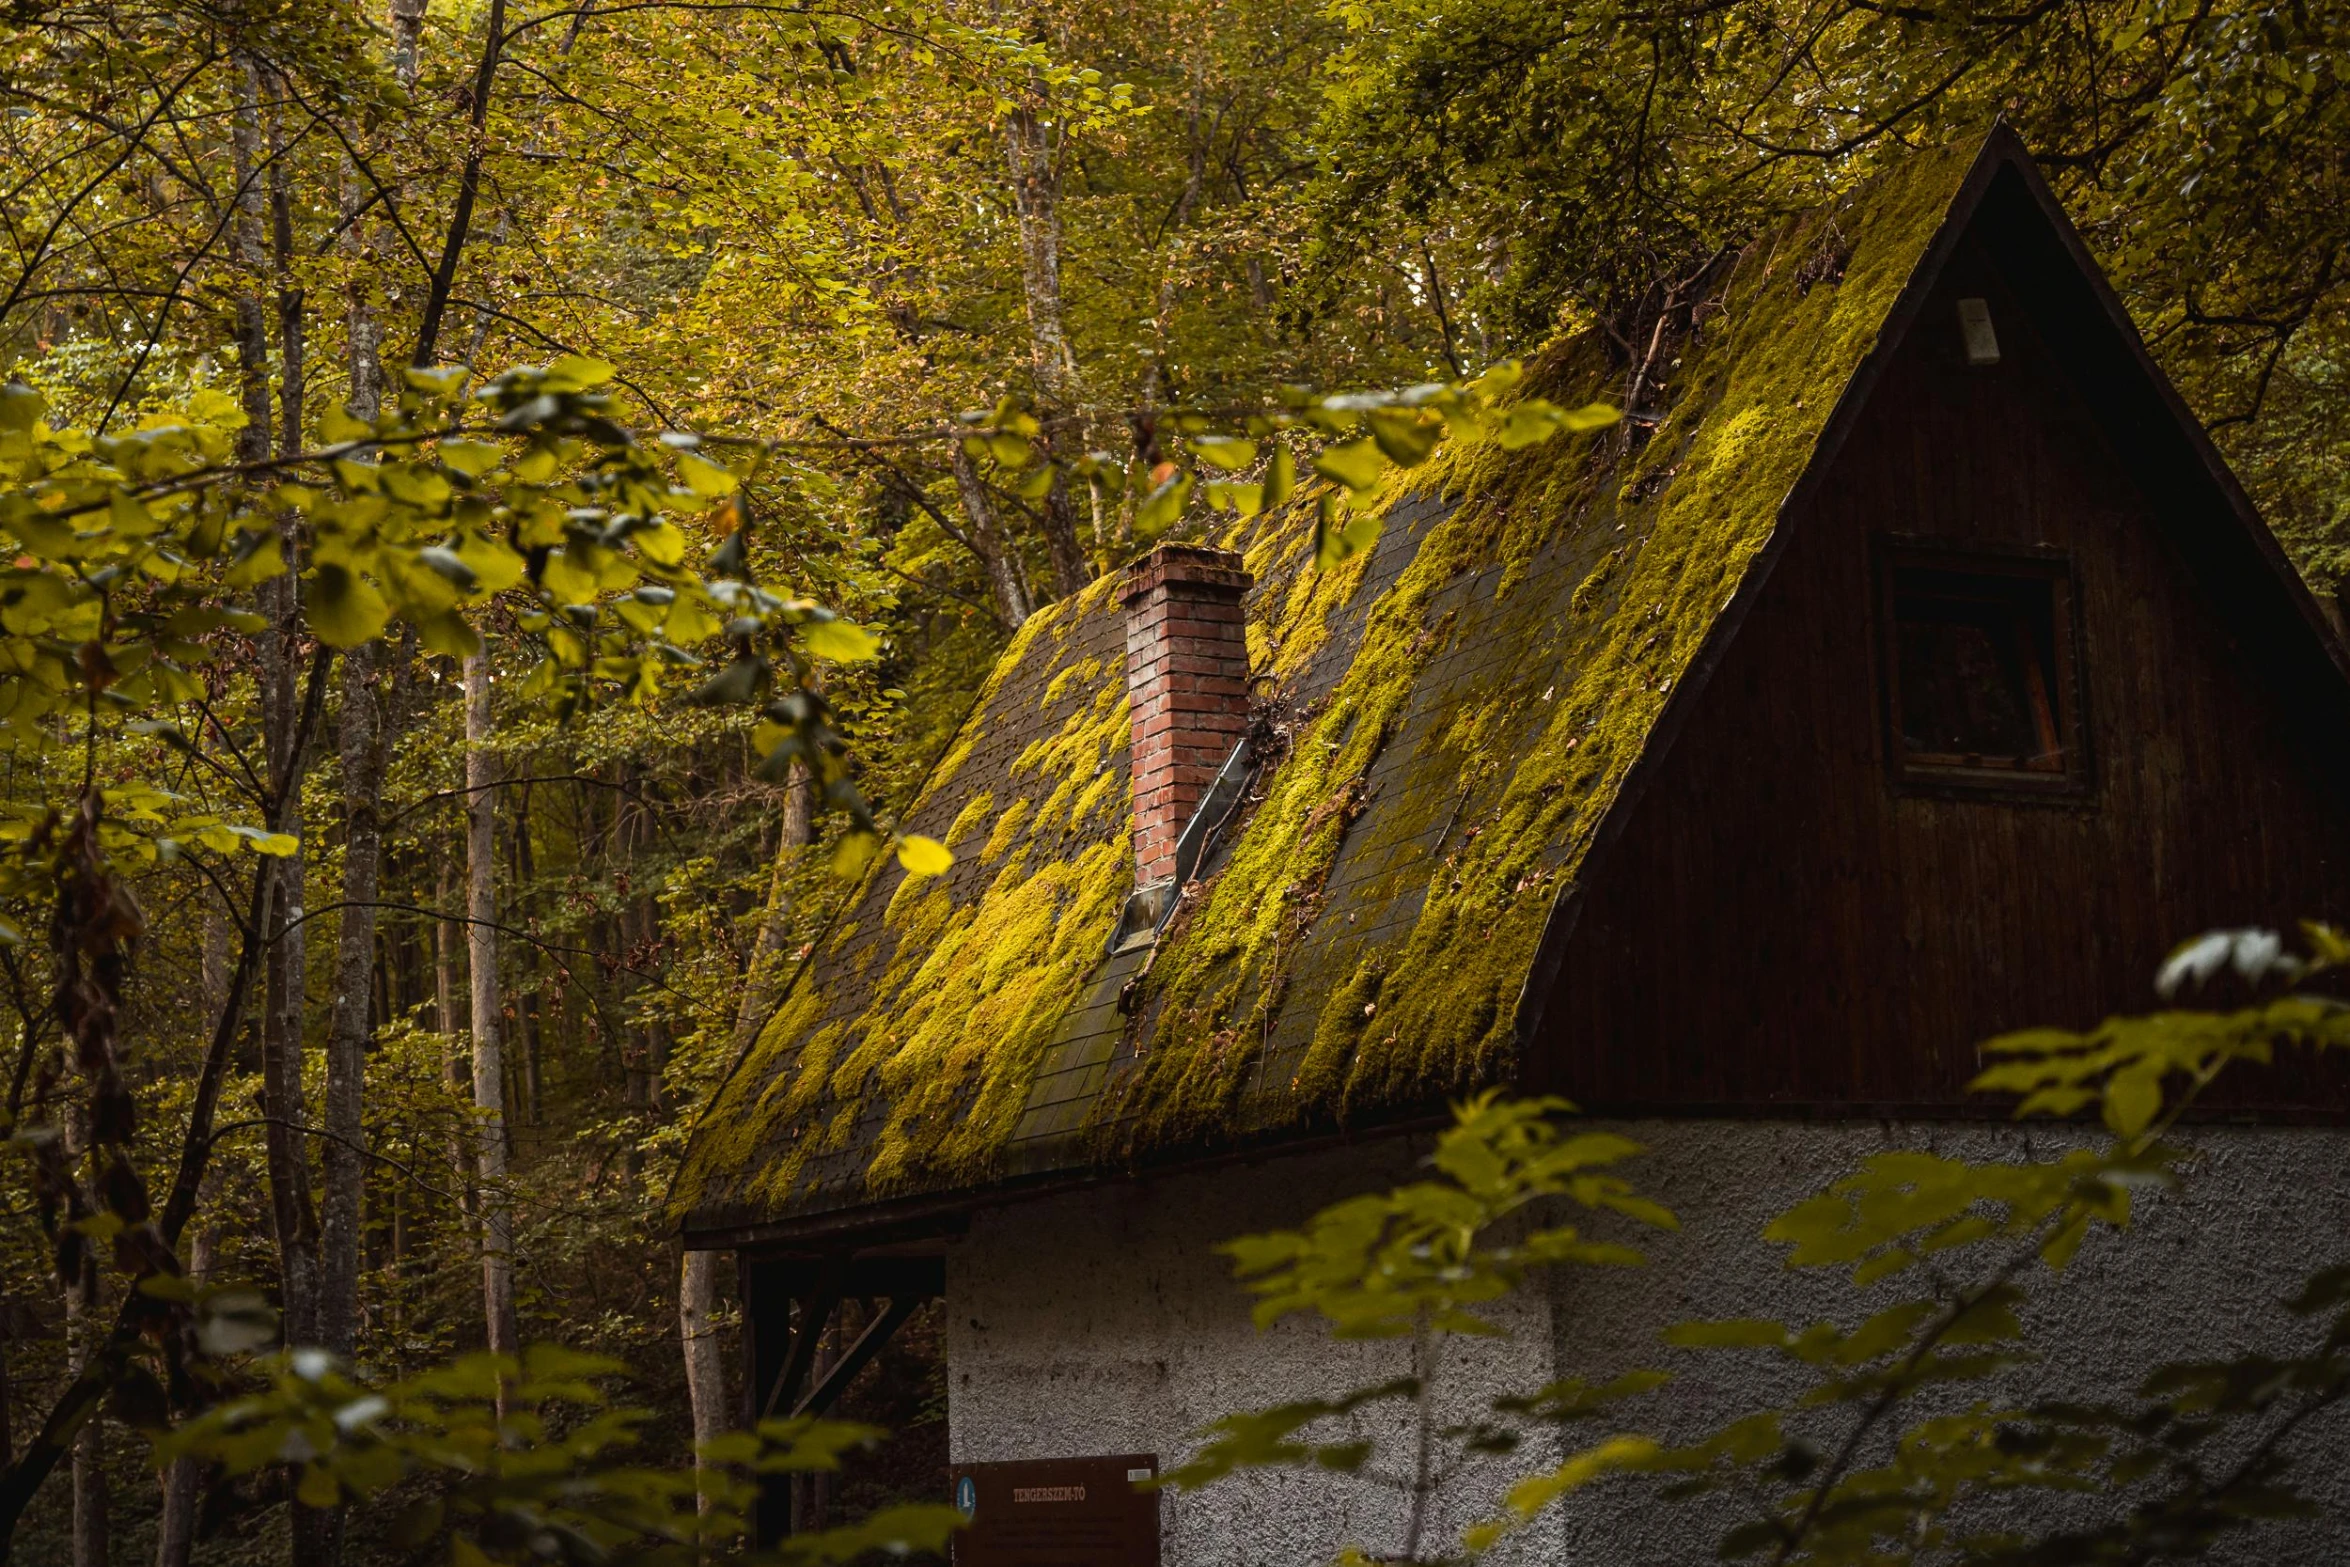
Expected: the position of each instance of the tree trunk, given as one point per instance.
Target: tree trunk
(1004, 575)
(489, 1078)
(364, 745)
(1034, 154)
(1033, 150)
(407, 32)
(292, 335)
(183, 1481)
(530, 985)
(284, 1102)
(762, 974)
(249, 248)
(444, 963)
(83, 1325)
(705, 1360)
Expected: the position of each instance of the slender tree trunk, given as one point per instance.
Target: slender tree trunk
(444, 964)
(530, 987)
(1034, 154)
(1155, 367)
(1033, 149)
(489, 1078)
(83, 1328)
(407, 32)
(364, 745)
(83, 1325)
(293, 336)
(1004, 575)
(761, 976)
(183, 1481)
(249, 247)
(705, 1359)
(286, 1104)
(697, 1287)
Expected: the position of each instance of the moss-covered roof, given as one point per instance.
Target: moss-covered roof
(1464, 704)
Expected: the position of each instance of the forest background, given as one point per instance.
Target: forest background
(512, 935)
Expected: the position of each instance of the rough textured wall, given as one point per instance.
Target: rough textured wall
(1102, 1322)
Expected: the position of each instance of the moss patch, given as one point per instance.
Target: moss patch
(1587, 575)
(1437, 1010)
(904, 1055)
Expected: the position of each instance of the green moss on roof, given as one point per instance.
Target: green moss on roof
(1258, 1011)
(923, 1065)
(1437, 1012)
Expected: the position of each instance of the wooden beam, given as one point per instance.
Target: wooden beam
(815, 1311)
(869, 1343)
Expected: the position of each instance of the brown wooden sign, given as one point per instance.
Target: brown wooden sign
(1059, 1512)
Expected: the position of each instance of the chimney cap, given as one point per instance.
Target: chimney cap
(1195, 566)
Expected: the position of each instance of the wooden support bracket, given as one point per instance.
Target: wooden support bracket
(869, 1343)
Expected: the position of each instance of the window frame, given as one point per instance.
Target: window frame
(2074, 784)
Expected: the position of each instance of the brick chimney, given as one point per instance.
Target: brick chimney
(1186, 685)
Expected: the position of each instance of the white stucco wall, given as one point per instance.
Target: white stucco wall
(1103, 1322)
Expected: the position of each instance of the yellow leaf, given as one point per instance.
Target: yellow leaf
(471, 458)
(923, 856)
(1225, 452)
(568, 578)
(317, 1488)
(854, 852)
(703, 477)
(495, 566)
(449, 634)
(338, 425)
(663, 544)
(689, 623)
(842, 641)
(345, 609)
(1356, 464)
(130, 515)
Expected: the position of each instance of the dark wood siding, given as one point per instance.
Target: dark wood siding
(1779, 924)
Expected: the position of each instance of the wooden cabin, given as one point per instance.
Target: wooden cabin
(1906, 668)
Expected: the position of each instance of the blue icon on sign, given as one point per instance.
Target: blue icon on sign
(966, 1497)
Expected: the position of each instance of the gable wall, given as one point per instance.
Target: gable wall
(1777, 925)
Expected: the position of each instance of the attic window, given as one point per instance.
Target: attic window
(1979, 671)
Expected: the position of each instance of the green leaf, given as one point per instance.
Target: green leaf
(338, 425)
(2133, 1099)
(842, 641)
(1163, 506)
(1733, 1333)
(494, 565)
(854, 852)
(732, 686)
(1355, 464)
(1225, 452)
(471, 458)
(344, 607)
(1242, 500)
(704, 478)
(568, 577)
(1405, 435)
(577, 373)
(20, 407)
(448, 634)
(317, 1487)
(277, 845)
(1280, 477)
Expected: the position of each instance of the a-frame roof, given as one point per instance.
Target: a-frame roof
(1460, 713)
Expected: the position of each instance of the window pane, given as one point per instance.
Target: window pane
(1975, 658)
